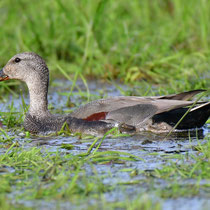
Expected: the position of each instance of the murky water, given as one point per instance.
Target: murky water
(141, 145)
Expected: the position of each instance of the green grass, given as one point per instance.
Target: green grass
(156, 47)
(38, 174)
(164, 42)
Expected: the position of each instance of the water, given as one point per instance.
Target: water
(141, 145)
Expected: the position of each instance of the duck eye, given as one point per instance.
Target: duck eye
(17, 60)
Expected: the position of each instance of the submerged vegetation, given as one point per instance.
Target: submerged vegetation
(153, 47)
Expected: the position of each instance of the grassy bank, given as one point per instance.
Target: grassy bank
(164, 41)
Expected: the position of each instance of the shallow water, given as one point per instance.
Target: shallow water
(142, 145)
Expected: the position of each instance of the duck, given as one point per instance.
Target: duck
(127, 113)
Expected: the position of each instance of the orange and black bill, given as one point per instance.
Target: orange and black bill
(3, 76)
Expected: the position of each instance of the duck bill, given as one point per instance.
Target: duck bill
(3, 77)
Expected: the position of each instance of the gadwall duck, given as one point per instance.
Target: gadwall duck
(129, 113)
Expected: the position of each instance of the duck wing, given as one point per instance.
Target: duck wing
(122, 108)
(182, 96)
(138, 114)
(158, 113)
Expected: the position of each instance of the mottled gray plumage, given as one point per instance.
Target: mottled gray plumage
(129, 113)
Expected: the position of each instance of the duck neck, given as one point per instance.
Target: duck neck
(38, 91)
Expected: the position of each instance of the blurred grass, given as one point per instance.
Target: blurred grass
(163, 41)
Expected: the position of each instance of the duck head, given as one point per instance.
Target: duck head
(31, 69)
(27, 67)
